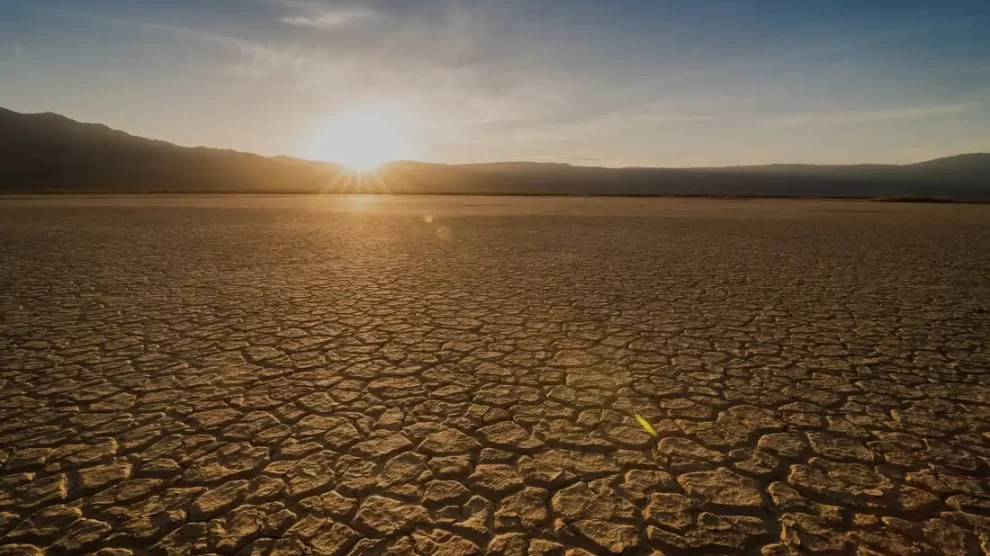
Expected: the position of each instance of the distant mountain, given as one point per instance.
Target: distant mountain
(51, 153)
(962, 162)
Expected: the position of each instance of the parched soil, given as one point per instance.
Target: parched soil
(438, 375)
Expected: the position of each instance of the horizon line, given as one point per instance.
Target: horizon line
(488, 162)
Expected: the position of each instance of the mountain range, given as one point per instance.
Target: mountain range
(48, 152)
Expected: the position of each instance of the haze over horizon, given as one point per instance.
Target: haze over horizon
(611, 84)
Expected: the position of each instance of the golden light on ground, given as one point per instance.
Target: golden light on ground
(360, 203)
(363, 138)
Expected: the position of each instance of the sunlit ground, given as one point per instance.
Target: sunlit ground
(360, 203)
(368, 374)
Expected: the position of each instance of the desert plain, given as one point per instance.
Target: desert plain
(454, 375)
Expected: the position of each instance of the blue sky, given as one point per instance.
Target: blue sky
(623, 82)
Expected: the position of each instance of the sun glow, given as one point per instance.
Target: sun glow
(364, 138)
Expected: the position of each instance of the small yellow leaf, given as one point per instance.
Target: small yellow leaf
(646, 425)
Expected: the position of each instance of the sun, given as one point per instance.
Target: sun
(364, 138)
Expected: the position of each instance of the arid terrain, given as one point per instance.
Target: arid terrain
(436, 375)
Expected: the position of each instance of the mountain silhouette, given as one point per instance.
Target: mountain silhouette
(51, 153)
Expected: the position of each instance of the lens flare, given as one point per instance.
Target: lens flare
(646, 425)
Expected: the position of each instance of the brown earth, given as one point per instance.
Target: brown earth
(350, 375)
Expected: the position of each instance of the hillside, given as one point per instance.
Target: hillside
(51, 153)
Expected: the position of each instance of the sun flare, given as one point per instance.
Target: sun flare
(364, 138)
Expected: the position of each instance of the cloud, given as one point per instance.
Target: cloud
(413, 52)
(440, 60)
(863, 116)
(475, 92)
(324, 19)
(673, 117)
(263, 58)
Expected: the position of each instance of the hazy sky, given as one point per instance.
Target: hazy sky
(621, 82)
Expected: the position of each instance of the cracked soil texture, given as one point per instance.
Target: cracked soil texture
(305, 375)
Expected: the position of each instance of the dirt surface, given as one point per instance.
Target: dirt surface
(289, 375)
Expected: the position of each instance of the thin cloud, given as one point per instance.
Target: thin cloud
(862, 116)
(353, 60)
(325, 19)
(412, 63)
(263, 57)
(671, 117)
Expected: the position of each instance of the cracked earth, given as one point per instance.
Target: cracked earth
(438, 375)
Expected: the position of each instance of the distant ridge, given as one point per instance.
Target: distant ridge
(51, 153)
(961, 161)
